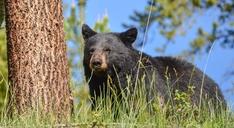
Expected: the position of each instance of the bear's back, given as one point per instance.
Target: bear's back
(182, 74)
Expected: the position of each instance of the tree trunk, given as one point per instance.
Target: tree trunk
(37, 60)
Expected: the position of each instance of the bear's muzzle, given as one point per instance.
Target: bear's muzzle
(98, 62)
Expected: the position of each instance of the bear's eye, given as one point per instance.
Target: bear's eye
(107, 50)
(91, 50)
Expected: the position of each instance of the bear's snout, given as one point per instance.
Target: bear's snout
(98, 62)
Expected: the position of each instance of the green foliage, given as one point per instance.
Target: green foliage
(101, 26)
(196, 2)
(75, 46)
(184, 107)
(72, 24)
(175, 18)
(3, 58)
(3, 68)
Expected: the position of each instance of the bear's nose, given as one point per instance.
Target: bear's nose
(97, 63)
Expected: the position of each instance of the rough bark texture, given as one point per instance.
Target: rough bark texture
(37, 60)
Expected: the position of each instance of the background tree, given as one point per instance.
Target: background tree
(37, 61)
(74, 18)
(175, 18)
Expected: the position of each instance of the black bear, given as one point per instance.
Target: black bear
(111, 55)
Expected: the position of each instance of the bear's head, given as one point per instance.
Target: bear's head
(107, 52)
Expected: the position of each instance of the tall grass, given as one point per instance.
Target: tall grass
(131, 110)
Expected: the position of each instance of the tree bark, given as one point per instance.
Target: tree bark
(37, 60)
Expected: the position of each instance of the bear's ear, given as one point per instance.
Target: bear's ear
(87, 32)
(129, 36)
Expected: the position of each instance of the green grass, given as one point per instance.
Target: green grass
(130, 111)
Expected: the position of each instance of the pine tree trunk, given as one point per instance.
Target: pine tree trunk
(37, 60)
